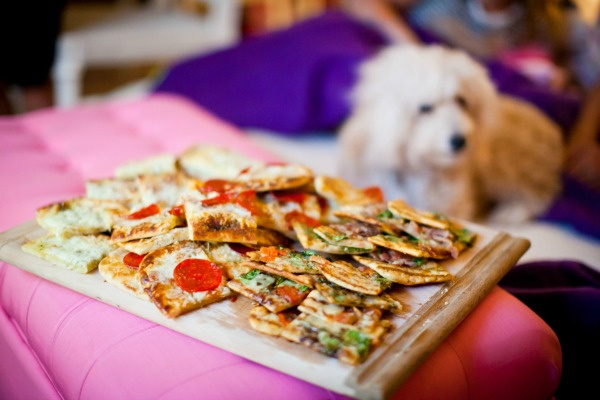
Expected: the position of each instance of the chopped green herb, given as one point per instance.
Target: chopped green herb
(359, 340)
(385, 214)
(337, 238)
(279, 280)
(418, 261)
(331, 343)
(303, 288)
(464, 235)
(307, 253)
(250, 275)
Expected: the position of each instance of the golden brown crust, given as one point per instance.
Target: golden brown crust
(408, 276)
(156, 277)
(350, 277)
(117, 273)
(126, 230)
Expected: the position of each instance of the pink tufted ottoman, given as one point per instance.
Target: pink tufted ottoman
(55, 343)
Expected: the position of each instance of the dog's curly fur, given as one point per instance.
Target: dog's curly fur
(428, 126)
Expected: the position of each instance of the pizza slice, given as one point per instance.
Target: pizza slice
(144, 223)
(366, 320)
(351, 276)
(165, 190)
(180, 278)
(269, 323)
(77, 253)
(213, 162)
(159, 164)
(229, 255)
(412, 246)
(146, 245)
(124, 191)
(284, 259)
(408, 276)
(120, 269)
(274, 292)
(270, 177)
(334, 340)
(80, 216)
(336, 294)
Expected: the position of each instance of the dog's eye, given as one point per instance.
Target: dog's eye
(462, 102)
(426, 108)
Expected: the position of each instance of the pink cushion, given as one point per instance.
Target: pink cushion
(57, 343)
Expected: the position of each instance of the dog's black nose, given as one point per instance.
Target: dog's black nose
(457, 142)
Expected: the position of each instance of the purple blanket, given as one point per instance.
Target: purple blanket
(565, 294)
(298, 80)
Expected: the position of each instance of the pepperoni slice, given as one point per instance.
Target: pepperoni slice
(375, 193)
(133, 260)
(152, 209)
(196, 275)
(294, 197)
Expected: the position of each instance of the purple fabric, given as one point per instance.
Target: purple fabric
(295, 80)
(565, 294)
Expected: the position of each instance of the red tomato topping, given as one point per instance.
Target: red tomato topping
(196, 275)
(303, 218)
(178, 211)
(284, 318)
(243, 171)
(152, 209)
(295, 197)
(323, 203)
(133, 260)
(239, 248)
(374, 192)
(345, 318)
(246, 199)
(216, 185)
(269, 254)
(290, 293)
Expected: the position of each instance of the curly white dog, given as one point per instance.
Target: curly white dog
(428, 126)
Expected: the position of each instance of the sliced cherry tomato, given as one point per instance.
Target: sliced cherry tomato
(247, 199)
(216, 185)
(133, 260)
(285, 318)
(240, 248)
(220, 199)
(374, 192)
(243, 171)
(270, 253)
(197, 275)
(152, 209)
(323, 203)
(290, 293)
(294, 197)
(345, 317)
(303, 218)
(178, 211)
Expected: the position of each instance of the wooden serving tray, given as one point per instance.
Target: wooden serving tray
(433, 311)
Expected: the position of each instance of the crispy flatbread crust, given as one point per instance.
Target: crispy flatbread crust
(407, 276)
(266, 178)
(351, 277)
(80, 216)
(264, 321)
(336, 294)
(117, 273)
(125, 229)
(402, 210)
(144, 246)
(403, 245)
(159, 164)
(164, 190)
(156, 277)
(77, 253)
(303, 279)
(213, 162)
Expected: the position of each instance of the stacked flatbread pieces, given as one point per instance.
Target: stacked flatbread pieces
(317, 256)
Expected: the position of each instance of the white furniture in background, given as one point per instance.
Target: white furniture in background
(157, 32)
